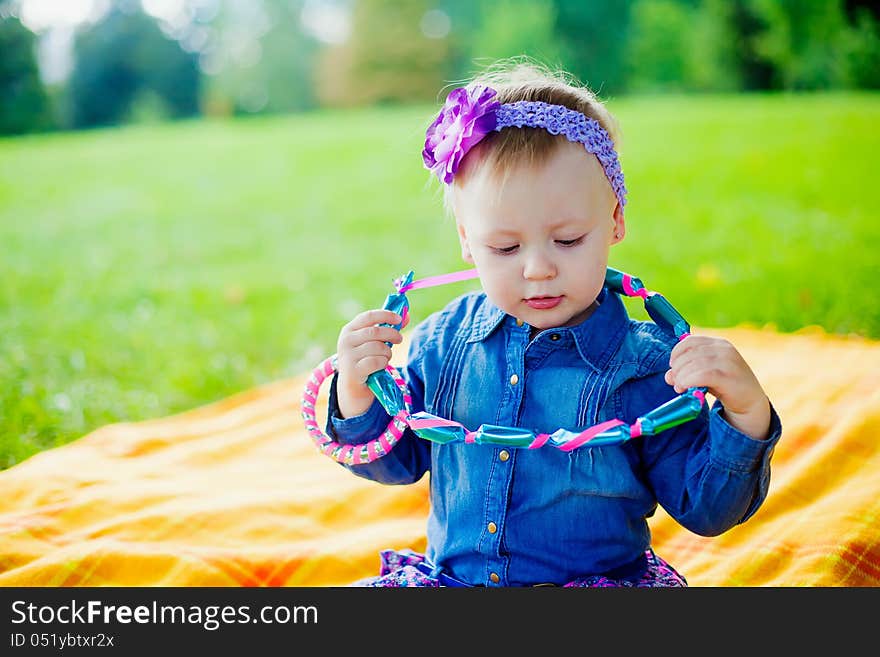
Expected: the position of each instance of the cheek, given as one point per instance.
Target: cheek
(588, 266)
(499, 290)
(495, 273)
(595, 252)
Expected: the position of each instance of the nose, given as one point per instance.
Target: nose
(539, 266)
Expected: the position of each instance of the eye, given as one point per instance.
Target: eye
(504, 250)
(573, 242)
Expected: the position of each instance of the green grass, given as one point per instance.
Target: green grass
(149, 270)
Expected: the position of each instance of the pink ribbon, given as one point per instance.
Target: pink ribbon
(626, 282)
(589, 433)
(440, 279)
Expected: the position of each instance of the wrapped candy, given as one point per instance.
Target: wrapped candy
(391, 391)
(381, 383)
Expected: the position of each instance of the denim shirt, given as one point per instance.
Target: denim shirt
(517, 517)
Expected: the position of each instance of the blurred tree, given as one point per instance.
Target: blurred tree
(717, 45)
(258, 59)
(863, 47)
(515, 28)
(594, 38)
(806, 42)
(658, 53)
(754, 70)
(125, 67)
(25, 106)
(464, 20)
(289, 57)
(713, 62)
(396, 54)
(682, 45)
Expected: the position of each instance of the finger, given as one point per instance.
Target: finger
(673, 375)
(697, 374)
(348, 359)
(380, 334)
(364, 367)
(362, 361)
(701, 347)
(373, 317)
(693, 342)
(370, 349)
(684, 345)
(678, 382)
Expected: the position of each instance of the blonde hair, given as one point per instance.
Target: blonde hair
(521, 79)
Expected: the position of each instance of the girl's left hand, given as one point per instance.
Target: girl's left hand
(714, 363)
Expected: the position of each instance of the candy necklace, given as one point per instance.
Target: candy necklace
(391, 390)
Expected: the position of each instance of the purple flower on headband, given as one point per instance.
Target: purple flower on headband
(467, 117)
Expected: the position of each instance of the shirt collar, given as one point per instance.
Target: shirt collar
(486, 319)
(597, 338)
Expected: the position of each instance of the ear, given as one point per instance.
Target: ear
(619, 230)
(465, 248)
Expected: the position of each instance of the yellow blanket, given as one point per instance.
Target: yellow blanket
(235, 494)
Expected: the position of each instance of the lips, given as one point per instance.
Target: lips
(543, 303)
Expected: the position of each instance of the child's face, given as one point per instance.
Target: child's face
(540, 243)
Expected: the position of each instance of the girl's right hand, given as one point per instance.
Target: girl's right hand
(360, 351)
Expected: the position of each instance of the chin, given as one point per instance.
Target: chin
(542, 322)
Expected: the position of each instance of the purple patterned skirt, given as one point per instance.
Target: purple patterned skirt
(400, 568)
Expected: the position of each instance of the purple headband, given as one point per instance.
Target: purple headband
(471, 114)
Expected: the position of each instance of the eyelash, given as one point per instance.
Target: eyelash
(508, 250)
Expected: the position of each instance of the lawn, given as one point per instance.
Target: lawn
(150, 269)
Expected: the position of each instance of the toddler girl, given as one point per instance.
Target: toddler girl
(534, 183)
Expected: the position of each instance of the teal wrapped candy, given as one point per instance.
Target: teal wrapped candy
(380, 382)
(662, 312)
(677, 410)
(659, 309)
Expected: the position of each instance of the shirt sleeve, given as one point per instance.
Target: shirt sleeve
(410, 458)
(707, 474)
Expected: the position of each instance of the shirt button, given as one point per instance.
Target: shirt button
(519, 322)
(494, 577)
(514, 380)
(554, 337)
(492, 527)
(504, 455)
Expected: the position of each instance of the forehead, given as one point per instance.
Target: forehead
(569, 186)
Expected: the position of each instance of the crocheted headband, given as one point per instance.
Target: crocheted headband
(470, 114)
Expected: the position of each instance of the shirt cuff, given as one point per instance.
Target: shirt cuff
(358, 428)
(734, 450)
